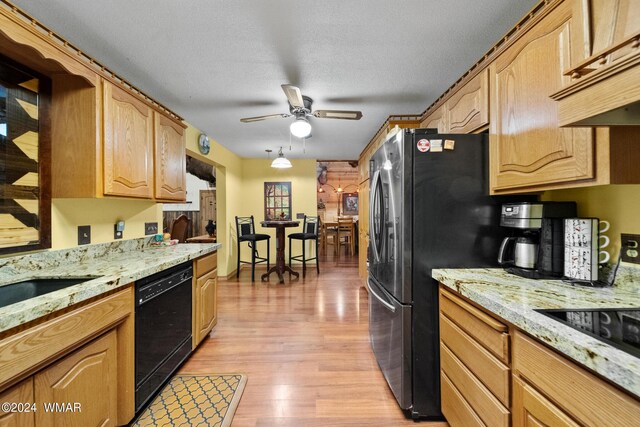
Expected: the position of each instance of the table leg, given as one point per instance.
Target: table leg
(280, 268)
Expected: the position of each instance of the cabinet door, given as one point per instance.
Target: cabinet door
(531, 408)
(128, 148)
(468, 109)
(206, 312)
(528, 149)
(170, 160)
(21, 393)
(83, 384)
(436, 120)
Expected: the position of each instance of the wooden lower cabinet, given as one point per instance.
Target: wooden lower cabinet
(496, 375)
(83, 384)
(567, 388)
(206, 315)
(205, 300)
(474, 349)
(21, 393)
(532, 409)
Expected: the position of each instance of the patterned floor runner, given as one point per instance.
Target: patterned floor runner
(195, 400)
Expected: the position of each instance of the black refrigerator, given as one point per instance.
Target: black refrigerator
(429, 208)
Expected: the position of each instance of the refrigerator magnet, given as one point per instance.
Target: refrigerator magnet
(436, 145)
(449, 144)
(423, 145)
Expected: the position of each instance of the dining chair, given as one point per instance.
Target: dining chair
(345, 234)
(179, 228)
(329, 237)
(310, 229)
(246, 232)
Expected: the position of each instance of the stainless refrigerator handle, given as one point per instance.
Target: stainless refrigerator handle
(389, 307)
(372, 195)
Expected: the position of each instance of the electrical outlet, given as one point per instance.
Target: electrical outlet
(150, 228)
(117, 234)
(84, 234)
(630, 248)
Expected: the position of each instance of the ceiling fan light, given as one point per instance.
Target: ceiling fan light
(281, 162)
(300, 128)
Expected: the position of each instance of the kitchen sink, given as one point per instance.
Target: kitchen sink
(619, 327)
(21, 291)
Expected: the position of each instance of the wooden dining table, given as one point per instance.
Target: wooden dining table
(280, 268)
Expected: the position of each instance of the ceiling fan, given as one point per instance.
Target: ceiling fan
(300, 107)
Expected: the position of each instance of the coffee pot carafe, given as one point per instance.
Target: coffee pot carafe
(523, 251)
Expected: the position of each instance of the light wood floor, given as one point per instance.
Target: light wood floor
(304, 346)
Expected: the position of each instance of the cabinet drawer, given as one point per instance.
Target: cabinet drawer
(485, 404)
(493, 373)
(455, 408)
(205, 264)
(486, 330)
(580, 393)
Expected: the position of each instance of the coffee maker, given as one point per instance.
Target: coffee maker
(536, 251)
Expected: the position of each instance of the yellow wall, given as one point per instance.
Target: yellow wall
(228, 195)
(618, 204)
(255, 172)
(240, 187)
(101, 215)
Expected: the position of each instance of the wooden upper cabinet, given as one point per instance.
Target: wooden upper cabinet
(436, 120)
(170, 159)
(528, 149)
(468, 109)
(606, 70)
(128, 144)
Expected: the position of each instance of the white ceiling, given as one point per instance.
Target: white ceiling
(215, 61)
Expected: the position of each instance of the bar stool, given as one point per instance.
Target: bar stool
(309, 232)
(246, 232)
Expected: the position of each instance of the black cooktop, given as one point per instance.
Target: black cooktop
(617, 327)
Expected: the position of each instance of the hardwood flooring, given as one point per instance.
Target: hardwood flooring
(305, 348)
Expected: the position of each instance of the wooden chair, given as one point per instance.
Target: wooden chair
(310, 231)
(345, 234)
(179, 228)
(329, 237)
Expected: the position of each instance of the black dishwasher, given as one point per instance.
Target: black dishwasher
(163, 328)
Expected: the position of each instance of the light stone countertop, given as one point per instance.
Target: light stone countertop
(514, 299)
(117, 264)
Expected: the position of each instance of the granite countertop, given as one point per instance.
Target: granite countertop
(117, 264)
(514, 299)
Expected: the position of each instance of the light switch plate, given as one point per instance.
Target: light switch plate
(630, 248)
(150, 228)
(84, 234)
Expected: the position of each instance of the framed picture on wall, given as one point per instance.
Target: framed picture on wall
(350, 203)
(277, 201)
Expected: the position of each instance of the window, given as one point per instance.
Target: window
(25, 202)
(277, 201)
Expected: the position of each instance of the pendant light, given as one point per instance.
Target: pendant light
(280, 162)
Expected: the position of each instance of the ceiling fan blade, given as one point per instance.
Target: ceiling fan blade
(259, 118)
(293, 95)
(338, 114)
